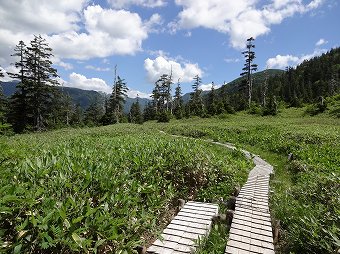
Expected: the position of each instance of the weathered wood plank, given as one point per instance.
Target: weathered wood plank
(251, 230)
(182, 234)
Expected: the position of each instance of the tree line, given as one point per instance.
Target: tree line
(37, 104)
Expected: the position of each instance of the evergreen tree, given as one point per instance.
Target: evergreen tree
(94, 113)
(162, 94)
(63, 109)
(31, 105)
(77, 116)
(115, 107)
(135, 115)
(41, 80)
(196, 101)
(20, 115)
(271, 106)
(265, 88)
(249, 67)
(178, 102)
(212, 101)
(149, 112)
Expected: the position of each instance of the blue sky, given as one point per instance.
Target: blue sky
(146, 38)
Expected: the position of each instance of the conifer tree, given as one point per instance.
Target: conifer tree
(178, 102)
(149, 112)
(212, 101)
(41, 80)
(135, 115)
(162, 93)
(265, 88)
(117, 99)
(94, 113)
(19, 114)
(196, 101)
(32, 104)
(249, 67)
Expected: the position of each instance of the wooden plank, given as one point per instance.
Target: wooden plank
(182, 234)
(251, 229)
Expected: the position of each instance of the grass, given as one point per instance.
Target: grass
(109, 188)
(306, 196)
(106, 189)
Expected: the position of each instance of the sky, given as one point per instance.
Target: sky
(148, 38)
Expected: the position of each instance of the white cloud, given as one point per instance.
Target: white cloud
(57, 61)
(154, 23)
(40, 16)
(109, 38)
(240, 19)
(91, 67)
(207, 87)
(162, 65)
(82, 82)
(282, 62)
(74, 29)
(118, 4)
(232, 60)
(321, 42)
(134, 93)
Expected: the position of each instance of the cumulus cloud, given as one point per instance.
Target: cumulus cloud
(74, 29)
(240, 19)
(118, 4)
(321, 42)
(282, 62)
(163, 65)
(36, 16)
(80, 81)
(57, 61)
(104, 37)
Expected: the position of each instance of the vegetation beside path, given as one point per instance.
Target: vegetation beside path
(306, 189)
(105, 189)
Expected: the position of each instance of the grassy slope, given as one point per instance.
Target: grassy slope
(306, 190)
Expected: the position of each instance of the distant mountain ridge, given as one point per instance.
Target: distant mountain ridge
(79, 96)
(231, 87)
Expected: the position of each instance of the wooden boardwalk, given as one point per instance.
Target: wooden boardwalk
(251, 229)
(181, 235)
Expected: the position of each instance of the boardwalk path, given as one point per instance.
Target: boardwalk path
(251, 230)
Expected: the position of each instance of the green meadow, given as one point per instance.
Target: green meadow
(113, 188)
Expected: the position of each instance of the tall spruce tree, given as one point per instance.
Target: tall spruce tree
(149, 112)
(178, 108)
(212, 101)
(135, 114)
(162, 93)
(42, 80)
(94, 113)
(249, 67)
(196, 101)
(19, 114)
(32, 103)
(117, 99)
